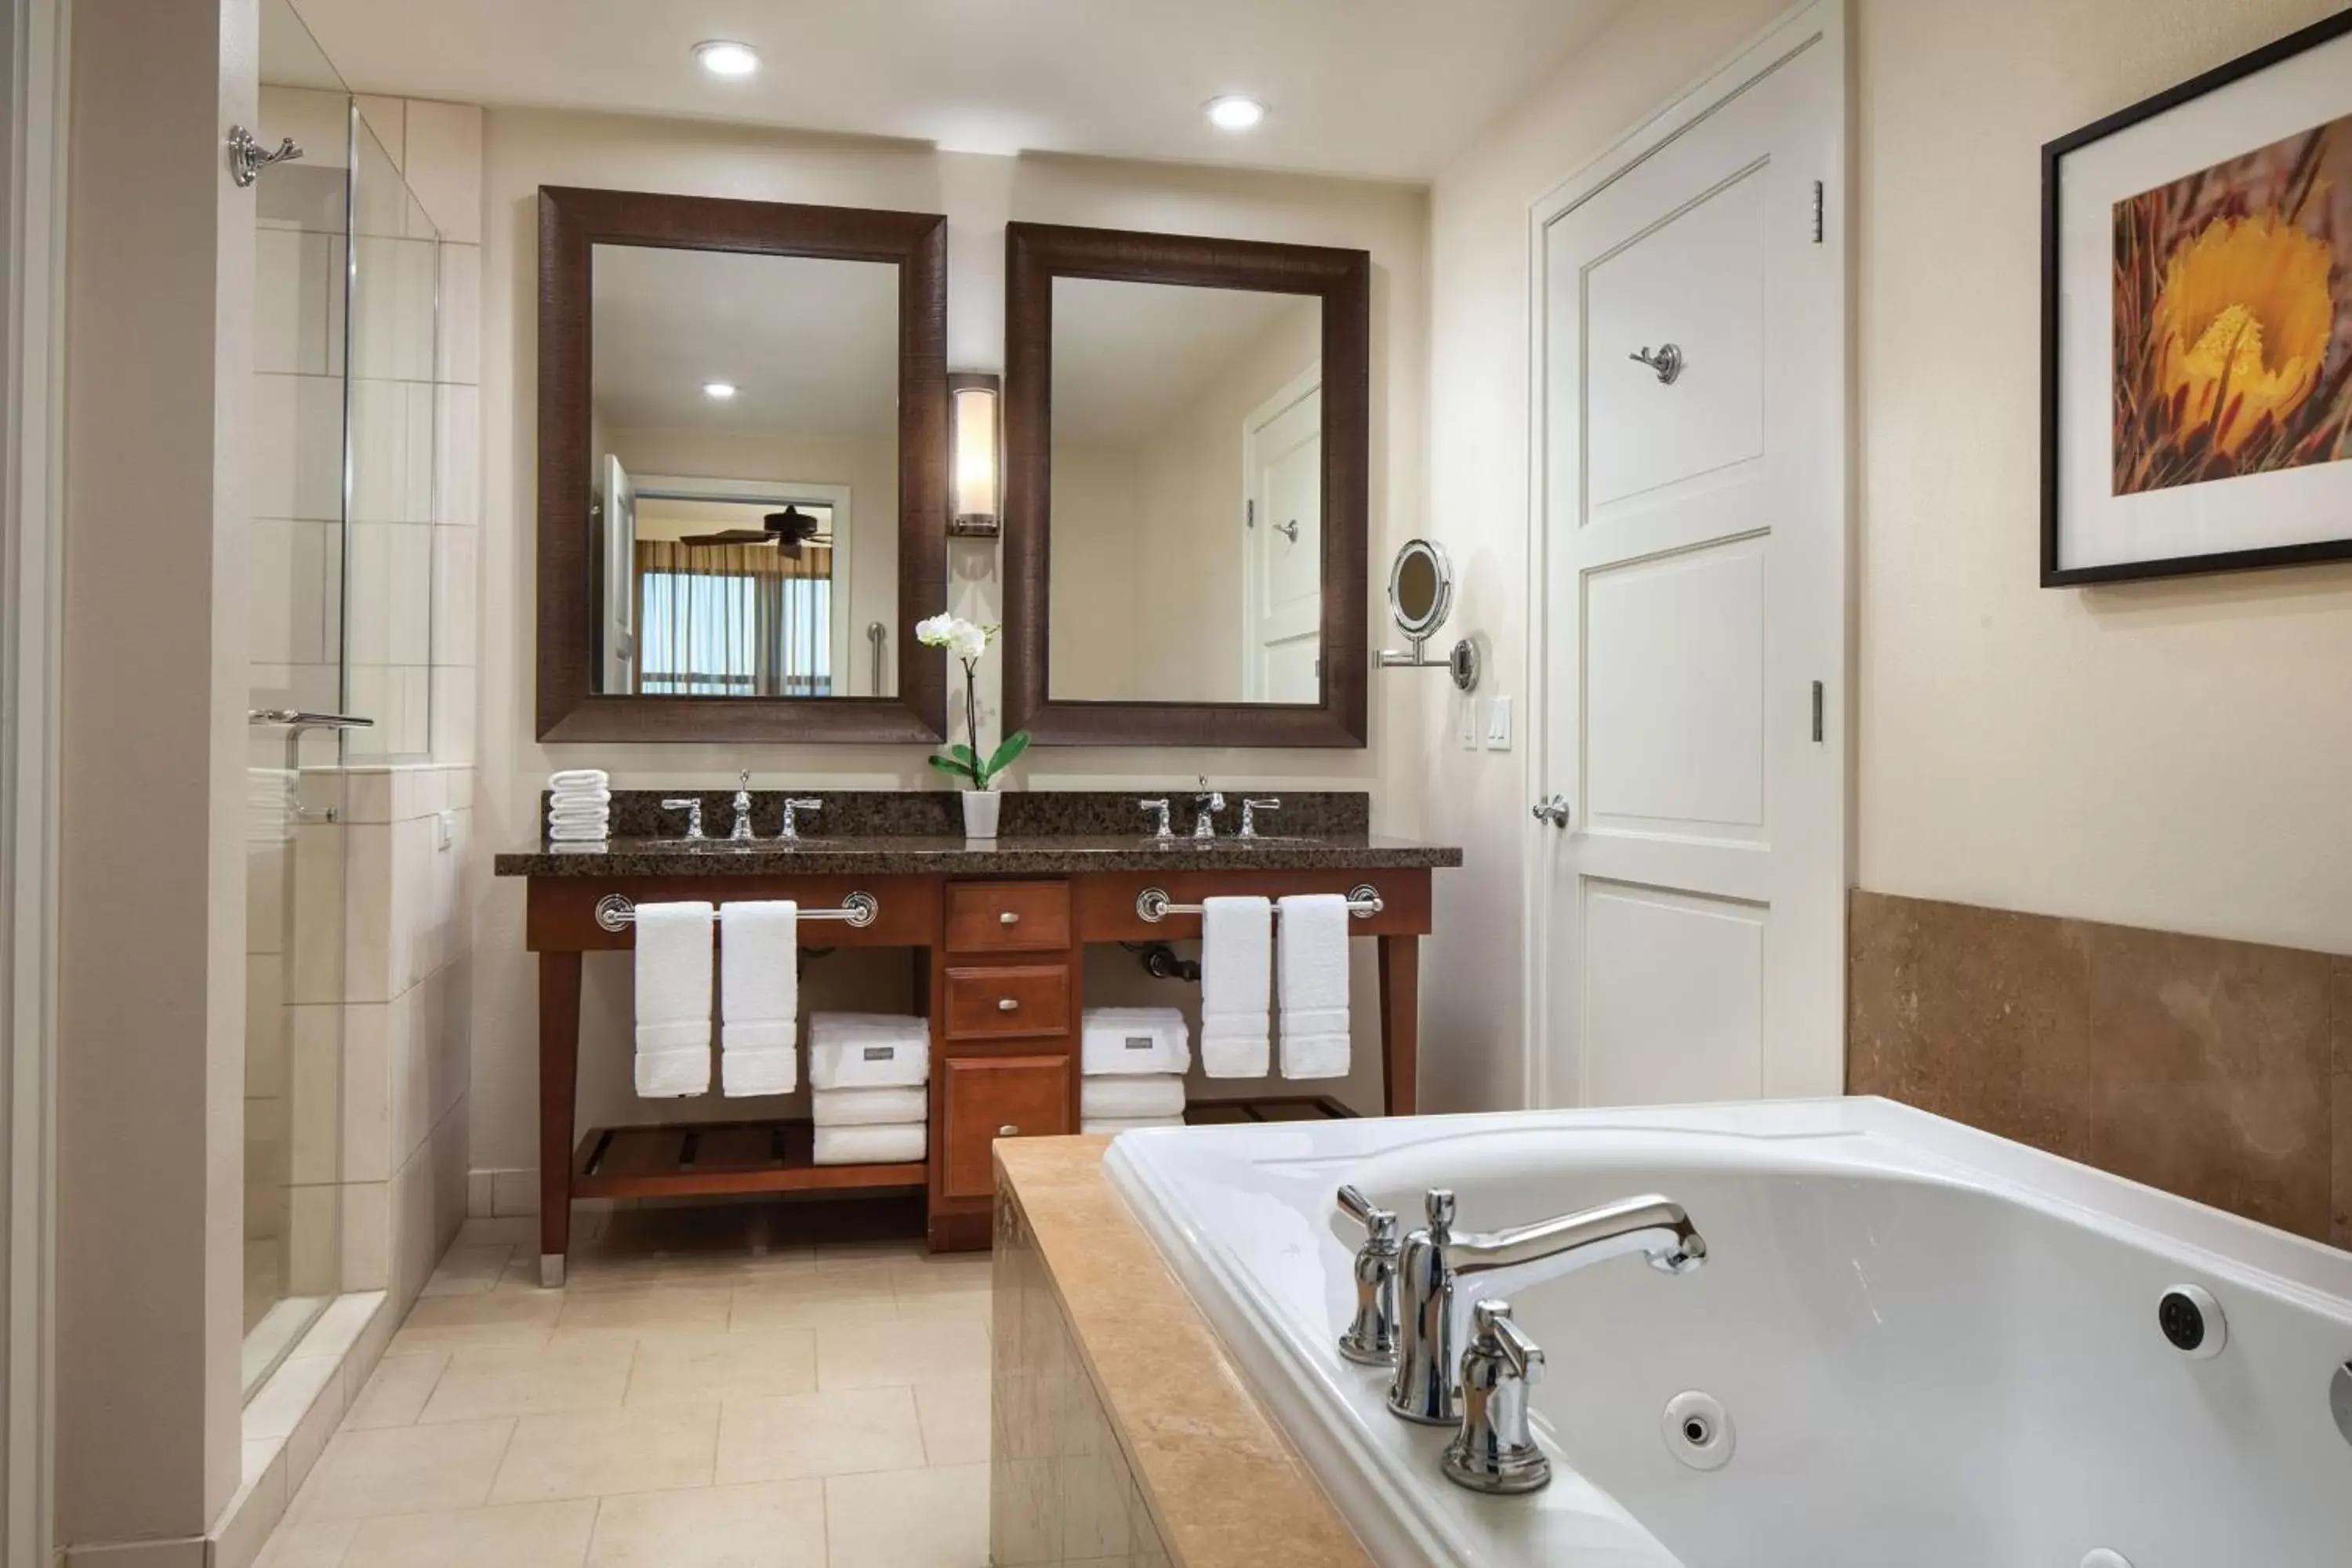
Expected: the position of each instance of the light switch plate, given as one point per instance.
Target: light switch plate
(1498, 723)
(444, 829)
(1469, 724)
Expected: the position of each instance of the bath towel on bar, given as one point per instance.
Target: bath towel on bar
(870, 1145)
(1313, 964)
(759, 997)
(868, 1107)
(673, 1000)
(868, 1050)
(1237, 955)
(1115, 1125)
(1135, 1040)
(1161, 1094)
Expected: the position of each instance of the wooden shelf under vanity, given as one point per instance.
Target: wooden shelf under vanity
(691, 1159)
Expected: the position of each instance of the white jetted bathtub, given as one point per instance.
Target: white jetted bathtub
(1931, 1348)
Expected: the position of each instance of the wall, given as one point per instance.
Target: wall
(525, 149)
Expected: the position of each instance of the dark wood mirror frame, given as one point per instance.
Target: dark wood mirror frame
(1036, 254)
(571, 221)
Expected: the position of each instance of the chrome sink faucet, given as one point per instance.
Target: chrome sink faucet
(742, 832)
(1435, 1262)
(791, 831)
(1206, 804)
(1250, 808)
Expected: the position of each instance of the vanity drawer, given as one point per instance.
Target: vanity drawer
(988, 1098)
(1005, 1000)
(1008, 917)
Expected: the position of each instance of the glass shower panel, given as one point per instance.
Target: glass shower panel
(395, 284)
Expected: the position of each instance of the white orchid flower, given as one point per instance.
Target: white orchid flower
(963, 639)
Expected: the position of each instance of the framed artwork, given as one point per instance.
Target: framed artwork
(2196, 323)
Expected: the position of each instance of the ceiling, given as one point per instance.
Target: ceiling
(1127, 356)
(1389, 88)
(810, 345)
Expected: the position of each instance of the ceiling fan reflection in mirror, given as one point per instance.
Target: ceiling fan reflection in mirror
(787, 530)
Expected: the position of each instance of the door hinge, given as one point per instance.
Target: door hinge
(1817, 711)
(1249, 514)
(1818, 198)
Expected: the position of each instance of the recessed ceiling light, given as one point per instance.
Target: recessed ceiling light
(1234, 113)
(718, 391)
(720, 56)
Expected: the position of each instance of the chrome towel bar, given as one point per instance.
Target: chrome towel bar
(1153, 904)
(618, 912)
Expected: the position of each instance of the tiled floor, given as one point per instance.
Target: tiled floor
(694, 1398)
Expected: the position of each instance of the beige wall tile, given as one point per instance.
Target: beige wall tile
(461, 356)
(775, 1524)
(528, 1380)
(668, 1367)
(818, 1434)
(404, 1469)
(519, 1535)
(388, 118)
(878, 1355)
(396, 1392)
(921, 1519)
(656, 1448)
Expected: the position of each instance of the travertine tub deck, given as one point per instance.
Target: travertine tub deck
(1223, 1484)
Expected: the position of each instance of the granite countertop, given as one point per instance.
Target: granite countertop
(882, 832)
(1225, 1487)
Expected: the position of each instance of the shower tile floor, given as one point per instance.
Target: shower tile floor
(696, 1396)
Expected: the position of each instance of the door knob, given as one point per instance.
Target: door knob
(1554, 811)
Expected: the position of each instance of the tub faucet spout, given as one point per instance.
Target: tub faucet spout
(1436, 1263)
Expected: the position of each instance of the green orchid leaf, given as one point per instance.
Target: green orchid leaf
(951, 765)
(1008, 751)
(964, 754)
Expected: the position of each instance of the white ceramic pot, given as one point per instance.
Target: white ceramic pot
(980, 809)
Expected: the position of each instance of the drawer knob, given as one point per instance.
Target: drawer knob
(1010, 1130)
(1007, 1004)
(1008, 917)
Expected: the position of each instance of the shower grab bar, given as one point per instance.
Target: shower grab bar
(618, 912)
(1153, 904)
(875, 631)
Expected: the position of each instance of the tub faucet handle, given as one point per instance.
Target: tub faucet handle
(1371, 1337)
(1494, 1452)
(1439, 1205)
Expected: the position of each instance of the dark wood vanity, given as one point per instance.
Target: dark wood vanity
(985, 924)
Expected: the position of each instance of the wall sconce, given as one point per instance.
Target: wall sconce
(973, 454)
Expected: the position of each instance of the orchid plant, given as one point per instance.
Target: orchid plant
(968, 640)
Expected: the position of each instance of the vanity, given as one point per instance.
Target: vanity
(995, 932)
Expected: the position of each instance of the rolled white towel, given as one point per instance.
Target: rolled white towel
(1134, 1040)
(868, 1107)
(1161, 1094)
(580, 796)
(579, 816)
(900, 1145)
(1115, 1125)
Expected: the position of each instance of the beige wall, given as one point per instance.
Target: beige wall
(1093, 634)
(526, 149)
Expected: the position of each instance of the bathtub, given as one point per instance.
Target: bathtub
(1931, 1348)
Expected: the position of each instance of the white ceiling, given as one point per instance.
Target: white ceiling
(810, 345)
(1129, 355)
(1383, 88)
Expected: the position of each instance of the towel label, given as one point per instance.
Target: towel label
(1140, 1042)
(880, 1053)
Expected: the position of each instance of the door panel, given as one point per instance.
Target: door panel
(1691, 920)
(1283, 595)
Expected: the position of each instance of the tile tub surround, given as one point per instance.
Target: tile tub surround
(2218, 1070)
(1120, 1429)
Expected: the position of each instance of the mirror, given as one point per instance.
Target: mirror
(744, 439)
(1186, 432)
(742, 469)
(1420, 589)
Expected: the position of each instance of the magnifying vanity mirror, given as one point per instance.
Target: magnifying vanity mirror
(1421, 595)
(742, 417)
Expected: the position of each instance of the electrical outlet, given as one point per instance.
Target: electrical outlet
(1498, 723)
(1469, 724)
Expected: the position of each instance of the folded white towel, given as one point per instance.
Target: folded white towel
(1135, 1040)
(601, 820)
(759, 997)
(868, 1050)
(673, 1000)
(1314, 979)
(1236, 956)
(902, 1144)
(868, 1107)
(580, 846)
(1115, 1125)
(1161, 1094)
(561, 799)
(579, 833)
(579, 778)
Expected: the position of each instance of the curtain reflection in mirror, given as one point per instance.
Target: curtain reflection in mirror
(733, 620)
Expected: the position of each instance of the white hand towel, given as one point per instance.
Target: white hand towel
(1314, 971)
(579, 833)
(1135, 1040)
(868, 1050)
(1236, 955)
(673, 1001)
(579, 778)
(759, 997)
(1115, 1125)
(1161, 1094)
(868, 1107)
(902, 1144)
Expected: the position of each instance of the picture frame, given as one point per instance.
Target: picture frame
(2196, 323)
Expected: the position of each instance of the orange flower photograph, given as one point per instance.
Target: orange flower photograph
(2233, 316)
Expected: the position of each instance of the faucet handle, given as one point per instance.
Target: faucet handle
(1372, 1334)
(1494, 1452)
(792, 807)
(1499, 1334)
(1439, 1206)
(1379, 1224)
(1159, 805)
(692, 806)
(1250, 808)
